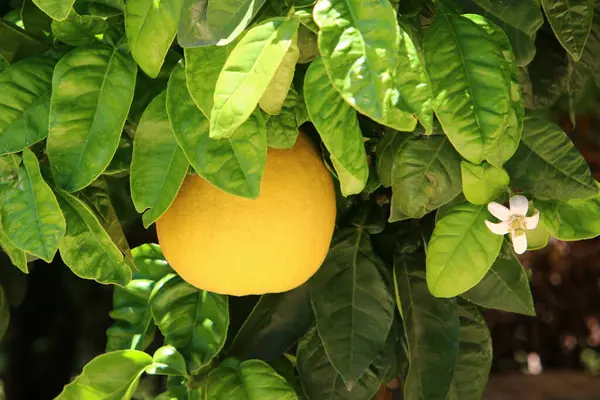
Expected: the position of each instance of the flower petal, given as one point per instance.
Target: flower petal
(501, 228)
(519, 205)
(519, 241)
(499, 211)
(532, 222)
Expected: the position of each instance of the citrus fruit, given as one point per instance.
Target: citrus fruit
(227, 244)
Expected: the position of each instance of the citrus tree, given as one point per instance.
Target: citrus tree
(437, 121)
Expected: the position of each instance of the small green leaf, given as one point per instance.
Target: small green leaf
(571, 21)
(425, 176)
(249, 380)
(193, 321)
(248, 72)
(57, 9)
(338, 127)
(353, 306)
(548, 165)
(112, 375)
(470, 82)
(17, 256)
(307, 45)
(482, 183)
(505, 286)
(275, 324)
(151, 27)
(461, 250)
(31, 217)
(275, 94)
(92, 89)
(86, 248)
(283, 128)
(387, 148)
(79, 30)
(235, 164)
(158, 165)
(24, 103)
(539, 237)
(167, 361)
(431, 327)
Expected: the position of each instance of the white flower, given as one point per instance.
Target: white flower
(514, 221)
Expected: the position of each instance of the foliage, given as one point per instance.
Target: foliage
(426, 111)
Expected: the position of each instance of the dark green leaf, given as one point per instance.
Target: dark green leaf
(79, 30)
(482, 183)
(307, 44)
(338, 127)
(505, 286)
(158, 164)
(35, 21)
(112, 375)
(16, 44)
(461, 250)
(387, 148)
(31, 217)
(121, 162)
(193, 321)
(353, 306)
(92, 89)
(100, 8)
(548, 165)
(432, 331)
(282, 129)
(425, 176)
(168, 361)
(571, 21)
(57, 9)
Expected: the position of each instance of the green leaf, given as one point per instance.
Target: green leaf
(151, 27)
(425, 176)
(249, 380)
(100, 8)
(352, 304)
(275, 324)
(133, 327)
(320, 380)
(248, 72)
(57, 9)
(121, 161)
(571, 21)
(283, 128)
(431, 327)
(483, 183)
(168, 361)
(4, 313)
(35, 21)
(204, 23)
(92, 89)
(16, 44)
(387, 148)
(86, 248)
(158, 165)
(79, 30)
(548, 165)
(31, 217)
(359, 45)
(307, 45)
(17, 256)
(474, 358)
(112, 375)
(193, 321)
(235, 164)
(338, 127)
(461, 250)
(470, 83)
(539, 237)
(504, 287)
(275, 94)
(24, 103)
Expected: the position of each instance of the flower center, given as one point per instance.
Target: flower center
(517, 224)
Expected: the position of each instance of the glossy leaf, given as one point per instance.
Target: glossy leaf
(361, 59)
(461, 250)
(482, 183)
(113, 375)
(24, 103)
(338, 127)
(470, 82)
(193, 321)
(571, 21)
(505, 286)
(548, 165)
(31, 217)
(205, 23)
(168, 361)
(92, 89)
(275, 324)
(79, 30)
(353, 306)
(248, 72)
(275, 94)
(283, 128)
(387, 149)
(86, 248)
(233, 164)
(425, 176)
(431, 327)
(249, 380)
(133, 327)
(158, 165)
(57, 9)
(151, 27)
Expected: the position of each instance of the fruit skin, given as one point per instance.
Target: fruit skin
(231, 245)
